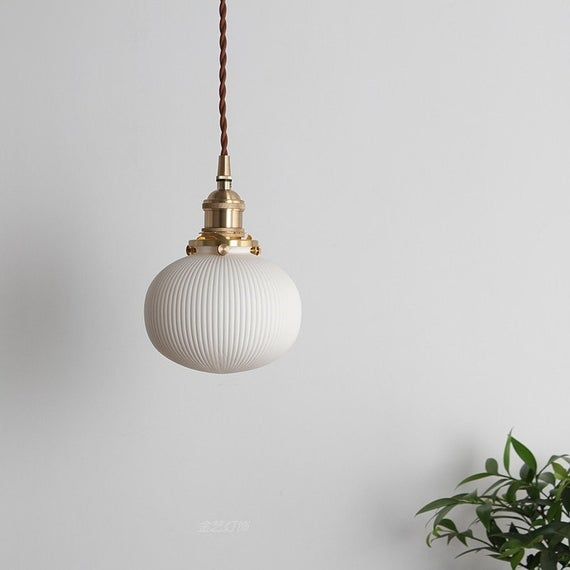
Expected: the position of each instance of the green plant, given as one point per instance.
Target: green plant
(524, 520)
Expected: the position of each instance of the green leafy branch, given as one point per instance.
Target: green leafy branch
(523, 520)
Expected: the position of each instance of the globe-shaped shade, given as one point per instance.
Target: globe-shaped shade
(222, 313)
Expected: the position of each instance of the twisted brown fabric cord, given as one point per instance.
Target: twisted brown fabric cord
(223, 62)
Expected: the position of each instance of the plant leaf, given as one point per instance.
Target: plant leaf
(495, 535)
(559, 471)
(554, 512)
(507, 454)
(475, 477)
(511, 494)
(448, 523)
(484, 514)
(546, 561)
(441, 514)
(492, 466)
(566, 498)
(548, 477)
(525, 454)
(496, 486)
(554, 458)
(437, 504)
(526, 473)
(560, 489)
(516, 559)
(478, 549)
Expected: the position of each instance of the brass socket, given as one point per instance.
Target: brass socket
(223, 213)
(223, 216)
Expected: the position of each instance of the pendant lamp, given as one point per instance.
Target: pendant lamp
(222, 308)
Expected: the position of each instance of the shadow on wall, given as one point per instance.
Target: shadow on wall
(39, 299)
(396, 523)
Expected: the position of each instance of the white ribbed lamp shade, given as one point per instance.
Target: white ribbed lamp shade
(222, 313)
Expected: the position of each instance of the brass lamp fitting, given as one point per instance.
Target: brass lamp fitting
(223, 217)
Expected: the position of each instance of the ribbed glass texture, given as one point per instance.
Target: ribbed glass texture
(222, 314)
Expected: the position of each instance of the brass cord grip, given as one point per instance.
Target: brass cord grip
(223, 217)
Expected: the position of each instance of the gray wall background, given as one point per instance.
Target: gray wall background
(407, 162)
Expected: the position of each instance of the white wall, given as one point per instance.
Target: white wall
(407, 162)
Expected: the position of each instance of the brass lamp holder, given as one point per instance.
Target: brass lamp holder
(223, 217)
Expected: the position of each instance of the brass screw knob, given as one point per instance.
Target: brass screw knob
(190, 250)
(223, 249)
